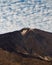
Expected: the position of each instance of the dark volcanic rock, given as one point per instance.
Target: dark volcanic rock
(29, 42)
(10, 41)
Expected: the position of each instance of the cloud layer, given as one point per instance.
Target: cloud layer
(17, 14)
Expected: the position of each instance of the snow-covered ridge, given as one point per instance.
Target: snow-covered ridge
(17, 14)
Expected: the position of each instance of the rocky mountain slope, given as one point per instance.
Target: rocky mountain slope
(26, 47)
(7, 58)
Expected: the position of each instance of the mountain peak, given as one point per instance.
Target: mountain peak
(28, 42)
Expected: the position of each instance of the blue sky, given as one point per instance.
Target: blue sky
(22, 0)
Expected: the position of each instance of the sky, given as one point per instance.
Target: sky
(17, 14)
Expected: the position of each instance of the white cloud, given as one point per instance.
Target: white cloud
(28, 14)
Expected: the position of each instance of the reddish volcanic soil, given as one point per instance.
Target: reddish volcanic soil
(7, 58)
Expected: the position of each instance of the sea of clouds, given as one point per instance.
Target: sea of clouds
(17, 14)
